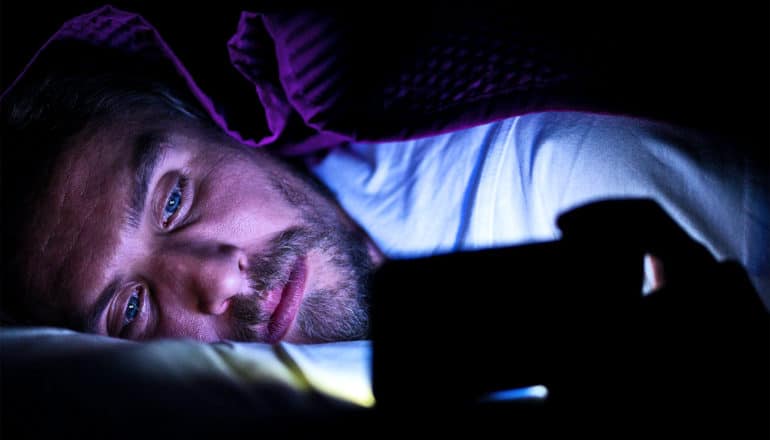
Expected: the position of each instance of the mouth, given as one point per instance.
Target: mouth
(291, 295)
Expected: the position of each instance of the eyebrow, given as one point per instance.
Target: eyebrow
(147, 152)
(102, 301)
(146, 155)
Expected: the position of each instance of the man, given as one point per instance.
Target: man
(181, 231)
(153, 223)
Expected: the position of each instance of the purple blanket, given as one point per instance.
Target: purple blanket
(303, 81)
(311, 81)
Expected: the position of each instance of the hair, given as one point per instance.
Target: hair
(57, 98)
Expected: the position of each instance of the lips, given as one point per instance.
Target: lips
(291, 295)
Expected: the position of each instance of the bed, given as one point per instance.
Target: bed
(277, 87)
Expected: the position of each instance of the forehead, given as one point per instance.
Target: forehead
(77, 224)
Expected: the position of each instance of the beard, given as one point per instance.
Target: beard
(330, 313)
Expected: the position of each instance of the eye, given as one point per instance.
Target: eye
(133, 307)
(173, 202)
(133, 313)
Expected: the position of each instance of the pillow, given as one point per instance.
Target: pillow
(77, 383)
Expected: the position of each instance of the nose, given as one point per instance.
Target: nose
(208, 276)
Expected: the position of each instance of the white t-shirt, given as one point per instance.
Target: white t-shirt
(505, 183)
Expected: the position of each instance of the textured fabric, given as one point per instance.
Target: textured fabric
(304, 81)
(506, 182)
(366, 80)
(338, 369)
(262, 110)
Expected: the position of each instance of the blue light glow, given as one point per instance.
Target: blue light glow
(533, 392)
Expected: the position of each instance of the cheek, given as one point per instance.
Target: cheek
(246, 205)
(177, 325)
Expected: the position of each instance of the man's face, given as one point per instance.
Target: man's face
(157, 228)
